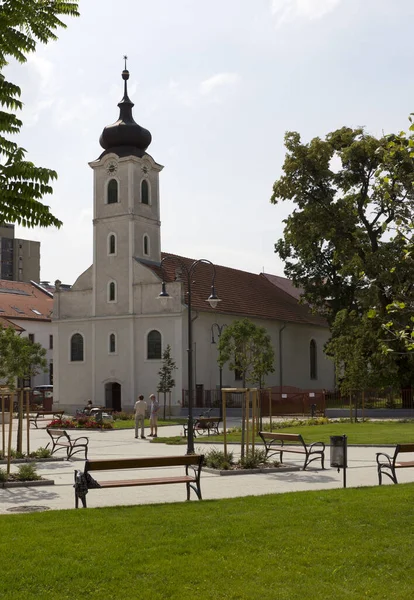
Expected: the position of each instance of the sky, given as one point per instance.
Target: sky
(218, 84)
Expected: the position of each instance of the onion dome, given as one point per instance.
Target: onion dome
(125, 137)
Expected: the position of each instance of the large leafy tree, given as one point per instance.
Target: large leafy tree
(24, 23)
(342, 243)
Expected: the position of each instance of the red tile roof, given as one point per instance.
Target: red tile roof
(241, 293)
(285, 284)
(6, 323)
(20, 300)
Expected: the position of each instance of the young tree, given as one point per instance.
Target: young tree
(351, 191)
(247, 348)
(23, 23)
(19, 359)
(166, 382)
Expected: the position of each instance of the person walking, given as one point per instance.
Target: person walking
(140, 409)
(154, 408)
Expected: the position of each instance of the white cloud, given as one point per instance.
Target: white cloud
(219, 80)
(43, 68)
(288, 10)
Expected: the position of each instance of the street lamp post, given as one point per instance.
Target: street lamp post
(213, 341)
(213, 300)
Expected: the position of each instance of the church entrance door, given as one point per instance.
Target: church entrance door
(113, 396)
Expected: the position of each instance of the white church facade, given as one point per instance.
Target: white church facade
(111, 328)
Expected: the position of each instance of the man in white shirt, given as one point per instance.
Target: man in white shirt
(140, 409)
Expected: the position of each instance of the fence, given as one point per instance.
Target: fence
(299, 402)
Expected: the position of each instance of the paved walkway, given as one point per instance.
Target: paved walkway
(121, 443)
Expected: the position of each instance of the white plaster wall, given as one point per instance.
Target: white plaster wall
(41, 331)
(73, 382)
(295, 353)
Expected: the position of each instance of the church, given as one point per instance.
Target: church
(111, 327)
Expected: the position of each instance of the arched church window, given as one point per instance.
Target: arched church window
(112, 343)
(76, 347)
(144, 192)
(146, 245)
(112, 244)
(313, 360)
(112, 195)
(154, 345)
(112, 291)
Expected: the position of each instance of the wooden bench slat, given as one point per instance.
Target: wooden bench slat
(83, 481)
(141, 463)
(148, 481)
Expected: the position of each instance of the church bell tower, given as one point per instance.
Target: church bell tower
(126, 215)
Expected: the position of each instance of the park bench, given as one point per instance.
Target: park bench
(45, 416)
(279, 443)
(387, 465)
(83, 480)
(203, 425)
(60, 439)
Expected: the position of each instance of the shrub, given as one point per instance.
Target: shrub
(41, 453)
(16, 453)
(123, 416)
(216, 459)
(27, 472)
(3, 475)
(253, 460)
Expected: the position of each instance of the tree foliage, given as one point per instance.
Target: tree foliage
(24, 23)
(247, 348)
(166, 382)
(19, 357)
(343, 244)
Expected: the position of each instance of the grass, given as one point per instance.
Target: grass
(376, 433)
(351, 544)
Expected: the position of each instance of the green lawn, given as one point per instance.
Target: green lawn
(368, 432)
(351, 544)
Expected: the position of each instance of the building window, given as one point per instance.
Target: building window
(154, 345)
(112, 344)
(51, 373)
(112, 244)
(50, 342)
(76, 348)
(144, 192)
(31, 337)
(146, 245)
(313, 360)
(112, 291)
(112, 192)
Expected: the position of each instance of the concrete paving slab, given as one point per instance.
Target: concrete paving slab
(121, 443)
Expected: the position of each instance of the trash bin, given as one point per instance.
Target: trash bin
(339, 451)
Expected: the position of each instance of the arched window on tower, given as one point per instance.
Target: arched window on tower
(112, 192)
(112, 291)
(112, 244)
(76, 347)
(154, 345)
(112, 343)
(146, 245)
(144, 192)
(313, 360)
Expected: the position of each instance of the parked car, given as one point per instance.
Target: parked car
(45, 391)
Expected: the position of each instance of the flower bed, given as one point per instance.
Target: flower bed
(80, 423)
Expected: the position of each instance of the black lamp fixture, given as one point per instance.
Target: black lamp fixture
(213, 300)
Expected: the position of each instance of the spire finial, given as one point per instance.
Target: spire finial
(125, 59)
